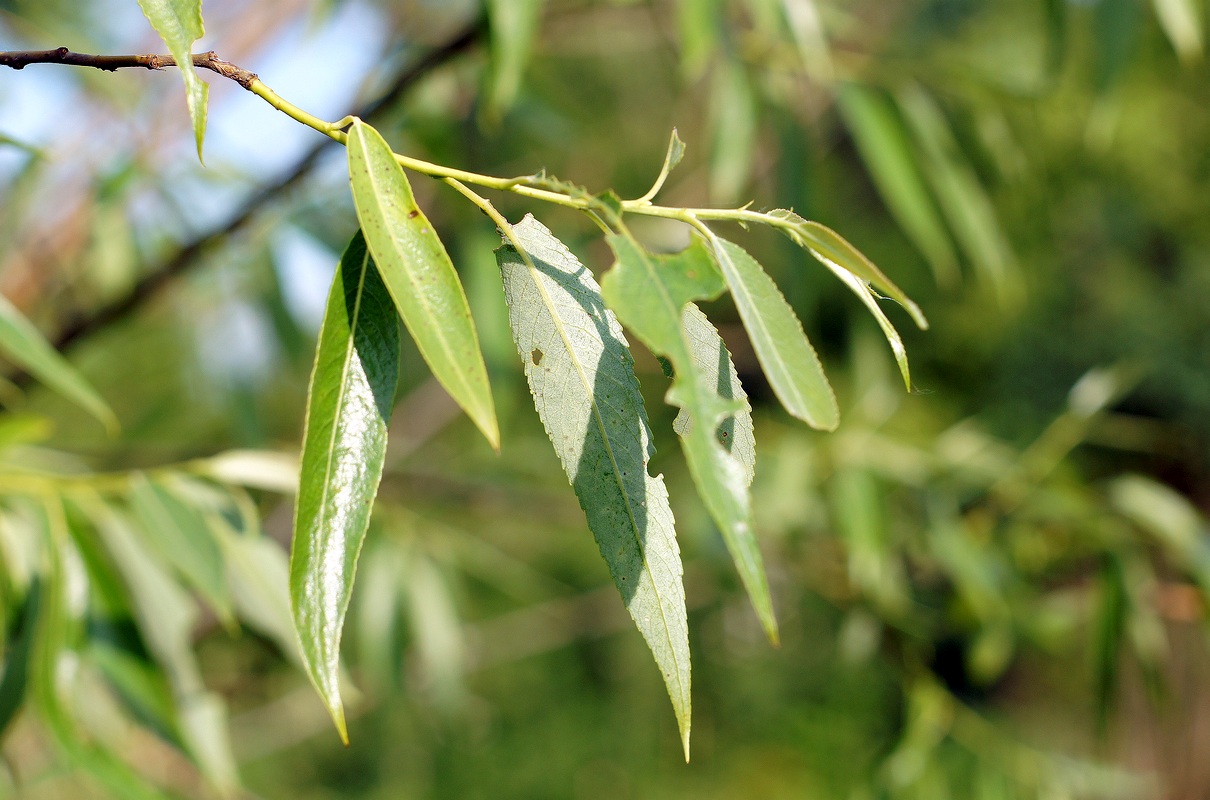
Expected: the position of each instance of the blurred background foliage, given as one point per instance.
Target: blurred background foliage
(991, 587)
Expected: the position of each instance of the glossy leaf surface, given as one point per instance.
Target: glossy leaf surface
(344, 444)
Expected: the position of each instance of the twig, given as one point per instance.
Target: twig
(61, 55)
(189, 255)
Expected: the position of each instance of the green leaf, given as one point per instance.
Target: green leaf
(735, 433)
(886, 149)
(649, 295)
(734, 114)
(59, 627)
(581, 375)
(857, 272)
(1182, 24)
(961, 196)
(179, 24)
(178, 533)
(829, 246)
(512, 24)
(18, 652)
(419, 275)
(785, 355)
(21, 343)
(166, 616)
(344, 444)
(676, 151)
(699, 27)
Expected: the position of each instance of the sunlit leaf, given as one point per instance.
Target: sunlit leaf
(829, 246)
(581, 375)
(785, 355)
(418, 274)
(344, 444)
(1182, 24)
(179, 24)
(735, 433)
(806, 26)
(885, 148)
(21, 343)
(649, 294)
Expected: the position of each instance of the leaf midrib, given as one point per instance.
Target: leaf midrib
(436, 330)
(548, 301)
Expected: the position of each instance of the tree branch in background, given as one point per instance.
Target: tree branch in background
(168, 270)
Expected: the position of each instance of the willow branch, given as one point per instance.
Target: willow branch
(81, 325)
(61, 55)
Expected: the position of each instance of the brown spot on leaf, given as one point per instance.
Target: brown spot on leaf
(536, 357)
(413, 214)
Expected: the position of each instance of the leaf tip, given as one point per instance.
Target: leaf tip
(685, 742)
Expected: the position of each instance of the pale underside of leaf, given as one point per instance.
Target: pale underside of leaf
(179, 24)
(828, 245)
(649, 295)
(785, 355)
(21, 343)
(735, 433)
(581, 375)
(420, 277)
(344, 446)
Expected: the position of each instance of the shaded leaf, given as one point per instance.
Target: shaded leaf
(18, 652)
(734, 117)
(785, 355)
(179, 24)
(885, 147)
(21, 343)
(581, 375)
(419, 276)
(178, 533)
(735, 433)
(344, 444)
(649, 294)
(59, 627)
(959, 193)
(512, 24)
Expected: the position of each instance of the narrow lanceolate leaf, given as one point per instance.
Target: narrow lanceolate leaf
(785, 355)
(21, 343)
(344, 443)
(649, 294)
(735, 433)
(179, 24)
(178, 533)
(858, 273)
(828, 245)
(582, 378)
(1182, 23)
(512, 24)
(420, 277)
(886, 149)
